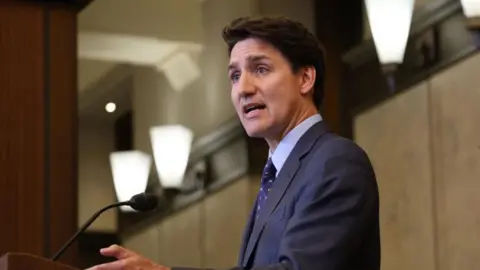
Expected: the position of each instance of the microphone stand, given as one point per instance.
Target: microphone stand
(85, 226)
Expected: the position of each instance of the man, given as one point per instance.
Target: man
(317, 208)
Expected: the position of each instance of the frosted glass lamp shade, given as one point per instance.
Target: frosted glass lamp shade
(130, 170)
(171, 150)
(471, 8)
(390, 22)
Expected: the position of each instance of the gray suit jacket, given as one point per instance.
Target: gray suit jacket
(322, 212)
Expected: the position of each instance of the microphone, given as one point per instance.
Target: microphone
(140, 202)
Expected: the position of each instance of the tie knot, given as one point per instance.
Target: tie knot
(269, 171)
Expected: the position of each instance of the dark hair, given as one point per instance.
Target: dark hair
(291, 38)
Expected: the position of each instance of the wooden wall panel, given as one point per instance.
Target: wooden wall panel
(225, 223)
(63, 125)
(22, 129)
(38, 122)
(181, 238)
(396, 136)
(456, 112)
(206, 234)
(147, 243)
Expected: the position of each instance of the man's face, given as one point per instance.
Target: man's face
(265, 91)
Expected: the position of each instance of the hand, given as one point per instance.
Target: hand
(126, 260)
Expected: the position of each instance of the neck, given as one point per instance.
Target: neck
(297, 118)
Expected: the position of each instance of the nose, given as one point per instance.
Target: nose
(246, 85)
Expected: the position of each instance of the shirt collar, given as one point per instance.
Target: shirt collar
(286, 145)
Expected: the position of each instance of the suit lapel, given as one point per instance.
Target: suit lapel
(283, 181)
(276, 193)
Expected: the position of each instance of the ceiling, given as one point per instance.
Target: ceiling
(114, 36)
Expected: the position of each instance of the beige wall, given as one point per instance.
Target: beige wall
(396, 137)
(424, 145)
(95, 183)
(92, 71)
(207, 234)
(301, 10)
(146, 18)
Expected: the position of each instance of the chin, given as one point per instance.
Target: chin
(255, 131)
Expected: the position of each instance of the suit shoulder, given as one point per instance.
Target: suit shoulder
(334, 146)
(338, 159)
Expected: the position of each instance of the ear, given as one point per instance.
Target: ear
(308, 75)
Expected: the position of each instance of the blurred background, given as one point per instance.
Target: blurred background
(108, 98)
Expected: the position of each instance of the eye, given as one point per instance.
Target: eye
(234, 76)
(262, 70)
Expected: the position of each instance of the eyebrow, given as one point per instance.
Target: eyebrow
(252, 58)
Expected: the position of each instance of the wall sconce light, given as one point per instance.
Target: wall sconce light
(471, 9)
(390, 23)
(171, 150)
(130, 171)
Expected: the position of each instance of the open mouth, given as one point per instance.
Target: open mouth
(253, 107)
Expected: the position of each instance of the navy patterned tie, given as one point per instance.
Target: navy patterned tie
(268, 178)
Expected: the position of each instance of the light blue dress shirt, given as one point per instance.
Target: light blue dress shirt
(286, 145)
